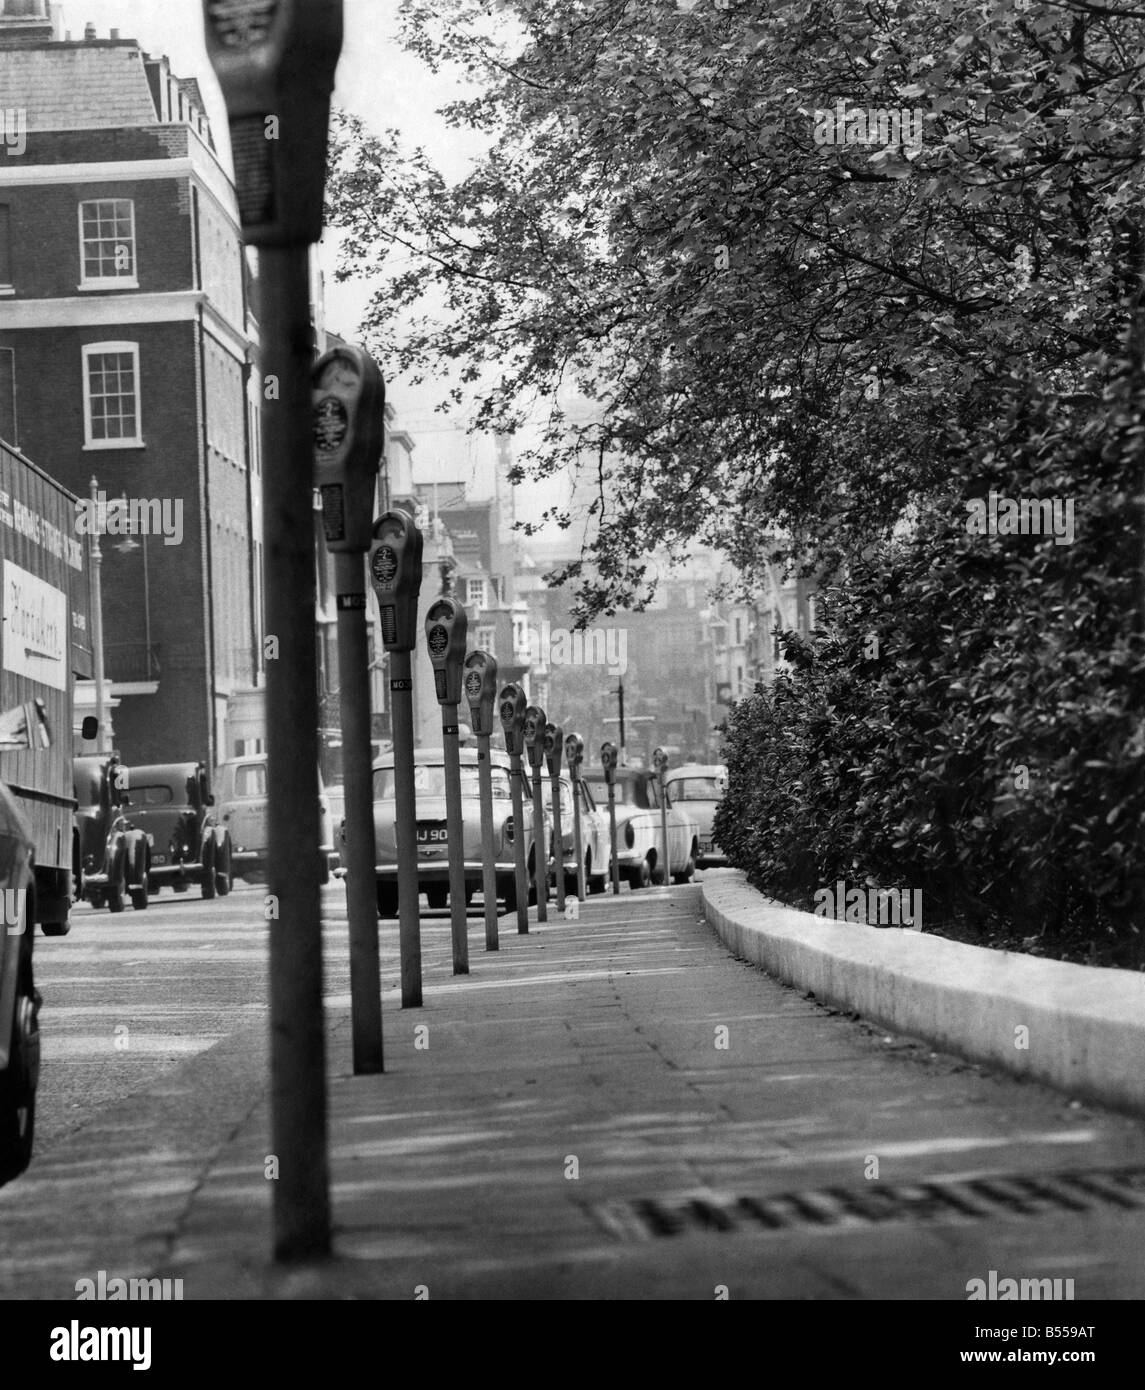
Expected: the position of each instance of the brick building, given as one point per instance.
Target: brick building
(125, 351)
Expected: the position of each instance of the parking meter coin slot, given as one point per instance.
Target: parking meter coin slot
(349, 404)
(395, 572)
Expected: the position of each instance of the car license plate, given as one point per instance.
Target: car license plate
(158, 859)
(431, 832)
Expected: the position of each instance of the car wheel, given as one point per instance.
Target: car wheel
(387, 899)
(641, 876)
(658, 876)
(18, 1082)
(117, 886)
(507, 889)
(141, 896)
(437, 895)
(207, 878)
(223, 872)
(688, 872)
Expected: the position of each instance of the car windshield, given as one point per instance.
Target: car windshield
(695, 789)
(250, 779)
(628, 792)
(150, 796)
(429, 780)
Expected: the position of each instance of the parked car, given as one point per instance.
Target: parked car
(115, 854)
(698, 789)
(172, 803)
(593, 837)
(639, 842)
(19, 999)
(432, 840)
(241, 808)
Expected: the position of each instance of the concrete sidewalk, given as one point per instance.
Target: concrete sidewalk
(611, 1108)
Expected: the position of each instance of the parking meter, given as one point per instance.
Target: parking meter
(395, 571)
(535, 746)
(480, 685)
(445, 629)
(481, 691)
(554, 745)
(664, 868)
(349, 432)
(608, 762)
(275, 61)
(574, 755)
(511, 705)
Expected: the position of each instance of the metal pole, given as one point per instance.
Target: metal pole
(405, 827)
(102, 744)
(516, 780)
(455, 833)
(558, 842)
(612, 836)
(664, 829)
(542, 858)
(620, 702)
(488, 876)
(298, 1046)
(578, 845)
(357, 779)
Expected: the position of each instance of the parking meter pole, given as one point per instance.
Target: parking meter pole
(612, 836)
(558, 843)
(455, 834)
(578, 844)
(516, 786)
(297, 1052)
(405, 827)
(541, 850)
(488, 874)
(660, 763)
(357, 780)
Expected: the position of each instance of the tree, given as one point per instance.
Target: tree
(775, 329)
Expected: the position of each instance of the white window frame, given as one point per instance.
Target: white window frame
(88, 351)
(108, 282)
(469, 602)
(485, 638)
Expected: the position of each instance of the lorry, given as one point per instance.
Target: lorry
(45, 643)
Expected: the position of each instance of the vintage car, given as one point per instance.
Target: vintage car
(172, 803)
(19, 999)
(241, 805)
(593, 837)
(115, 854)
(698, 788)
(639, 841)
(432, 838)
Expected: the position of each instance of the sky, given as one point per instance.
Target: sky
(378, 81)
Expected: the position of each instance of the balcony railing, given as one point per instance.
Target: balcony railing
(131, 661)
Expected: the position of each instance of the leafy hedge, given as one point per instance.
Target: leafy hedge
(967, 721)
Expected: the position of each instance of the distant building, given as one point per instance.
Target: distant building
(125, 354)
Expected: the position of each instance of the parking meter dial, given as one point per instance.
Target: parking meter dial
(481, 690)
(445, 630)
(275, 61)
(554, 748)
(574, 752)
(535, 735)
(349, 399)
(511, 707)
(608, 760)
(395, 572)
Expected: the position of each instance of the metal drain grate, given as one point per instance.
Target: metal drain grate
(963, 1199)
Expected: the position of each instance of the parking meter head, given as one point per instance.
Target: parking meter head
(275, 61)
(574, 753)
(554, 748)
(535, 735)
(660, 761)
(349, 400)
(608, 761)
(480, 681)
(395, 572)
(445, 629)
(511, 707)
